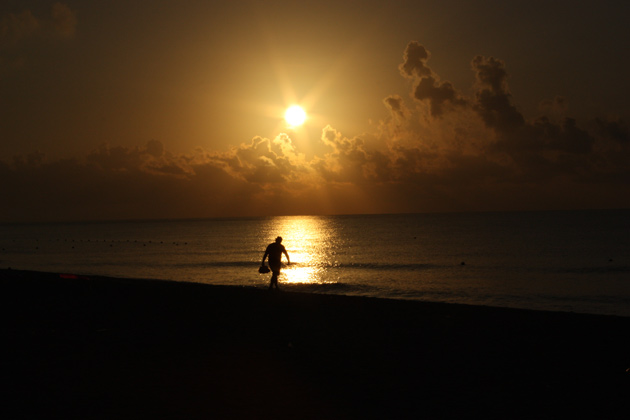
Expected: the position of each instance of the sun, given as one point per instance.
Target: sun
(295, 115)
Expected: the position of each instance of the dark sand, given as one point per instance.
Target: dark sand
(117, 349)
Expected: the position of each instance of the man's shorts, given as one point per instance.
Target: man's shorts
(275, 267)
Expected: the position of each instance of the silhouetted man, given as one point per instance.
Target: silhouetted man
(275, 251)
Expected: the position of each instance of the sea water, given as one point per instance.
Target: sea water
(568, 261)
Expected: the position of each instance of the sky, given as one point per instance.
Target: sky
(165, 109)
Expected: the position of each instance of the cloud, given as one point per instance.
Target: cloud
(120, 182)
(414, 63)
(15, 27)
(150, 159)
(18, 28)
(438, 93)
(485, 140)
(63, 20)
(438, 150)
(615, 130)
(557, 105)
(350, 161)
(21, 32)
(396, 106)
(549, 146)
(427, 85)
(493, 98)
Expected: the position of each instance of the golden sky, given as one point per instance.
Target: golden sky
(168, 109)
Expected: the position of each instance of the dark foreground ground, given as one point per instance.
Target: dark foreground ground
(130, 349)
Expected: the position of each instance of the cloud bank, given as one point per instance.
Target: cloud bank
(439, 150)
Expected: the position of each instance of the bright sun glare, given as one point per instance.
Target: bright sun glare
(295, 115)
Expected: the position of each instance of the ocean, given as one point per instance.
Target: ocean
(577, 261)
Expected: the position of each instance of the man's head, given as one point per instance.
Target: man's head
(279, 239)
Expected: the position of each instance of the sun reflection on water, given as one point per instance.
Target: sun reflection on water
(307, 240)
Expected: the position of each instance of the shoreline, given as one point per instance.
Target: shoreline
(99, 347)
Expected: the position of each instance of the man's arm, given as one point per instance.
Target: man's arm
(265, 256)
(287, 255)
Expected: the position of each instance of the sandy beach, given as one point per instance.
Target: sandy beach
(79, 347)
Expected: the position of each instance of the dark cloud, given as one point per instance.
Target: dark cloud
(415, 58)
(63, 20)
(396, 106)
(23, 31)
(548, 147)
(493, 99)
(485, 141)
(438, 94)
(17, 28)
(427, 84)
(150, 159)
(491, 74)
(555, 105)
(569, 139)
(122, 183)
(615, 130)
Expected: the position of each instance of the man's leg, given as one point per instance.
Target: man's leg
(274, 277)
